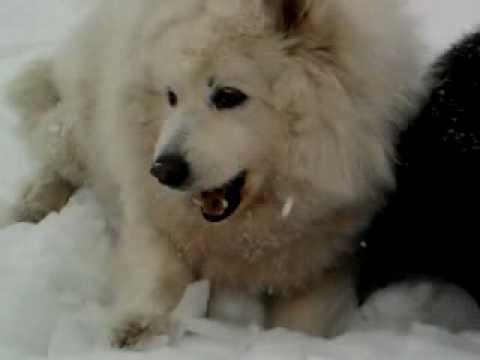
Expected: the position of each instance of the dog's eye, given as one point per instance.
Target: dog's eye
(228, 98)
(172, 98)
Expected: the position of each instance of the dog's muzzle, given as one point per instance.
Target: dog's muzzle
(216, 204)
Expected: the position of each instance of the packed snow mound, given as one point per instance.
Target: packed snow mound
(55, 286)
(50, 272)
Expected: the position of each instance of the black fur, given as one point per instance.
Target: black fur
(430, 226)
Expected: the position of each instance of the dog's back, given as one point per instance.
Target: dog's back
(429, 227)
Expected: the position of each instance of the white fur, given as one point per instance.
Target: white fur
(319, 127)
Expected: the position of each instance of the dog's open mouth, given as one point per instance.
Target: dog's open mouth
(219, 204)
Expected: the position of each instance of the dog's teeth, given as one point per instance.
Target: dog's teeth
(224, 204)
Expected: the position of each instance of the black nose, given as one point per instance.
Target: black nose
(171, 170)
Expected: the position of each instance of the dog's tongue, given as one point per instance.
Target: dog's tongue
(212, 203)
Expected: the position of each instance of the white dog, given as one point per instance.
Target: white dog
(270, 125)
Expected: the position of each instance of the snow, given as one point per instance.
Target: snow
(55, 277)
(288, 207)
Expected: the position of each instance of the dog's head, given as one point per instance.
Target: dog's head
(269, 94)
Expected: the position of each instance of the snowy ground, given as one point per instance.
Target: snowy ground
(54, 277)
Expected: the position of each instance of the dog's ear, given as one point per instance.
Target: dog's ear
(288, 15)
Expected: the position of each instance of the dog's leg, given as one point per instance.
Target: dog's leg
(49, 192)
(34, 96)
(149, 279)
(236, 307)
(324, 311)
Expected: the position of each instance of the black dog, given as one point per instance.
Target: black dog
(430, 226)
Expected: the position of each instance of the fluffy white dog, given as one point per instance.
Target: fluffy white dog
(270, 125)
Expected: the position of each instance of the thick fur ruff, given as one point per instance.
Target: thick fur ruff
(430, 221)
(329, 85)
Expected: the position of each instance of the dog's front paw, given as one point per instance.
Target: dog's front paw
(131, 333)
(46, 195)
(134, 331)
(24, 213)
